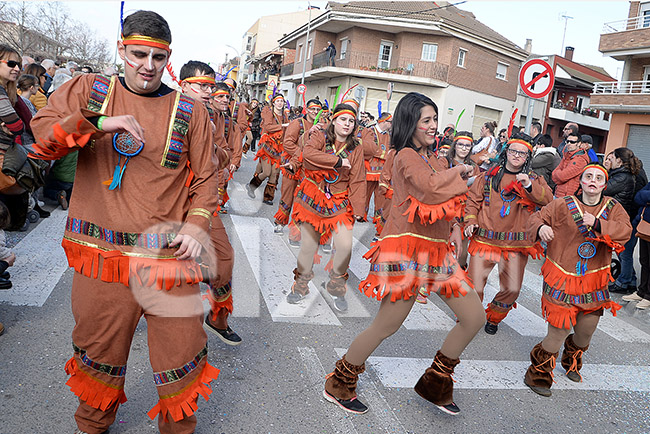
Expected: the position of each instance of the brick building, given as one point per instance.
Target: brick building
(432, 48)
(629, 99)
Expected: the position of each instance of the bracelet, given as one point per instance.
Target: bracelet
(100, 121)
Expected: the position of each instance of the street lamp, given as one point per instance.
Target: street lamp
(304, 52)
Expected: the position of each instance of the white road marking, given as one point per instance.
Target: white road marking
(40, 263)
(267, 254)
(509, 374)
(339, 419)
(522, 320)
(622, 331)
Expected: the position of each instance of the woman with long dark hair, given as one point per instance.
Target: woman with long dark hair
(498, 207)
(328, 201)
(415, 251)
(623, 168)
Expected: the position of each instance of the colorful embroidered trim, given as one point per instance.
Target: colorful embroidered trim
(343, 153)
(502, 305)
(110, 370)
(590, 297)
(502, 236)
(174, 375)
(178, 126)
(150, 241)
(576, 214)
(323, 210)
(221, 292)
(411, 266)
(100, 93)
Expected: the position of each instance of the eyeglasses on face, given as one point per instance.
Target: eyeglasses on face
(515, 153)
(11, 63)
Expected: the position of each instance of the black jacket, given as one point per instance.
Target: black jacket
(621, 187)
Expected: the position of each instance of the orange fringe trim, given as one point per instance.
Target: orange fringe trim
(496, 317)
(92, 391)
(494, 253)
(561, 316)
(63, 143)
(165, 273)
(281, 217)
(575, 285)
(216, 306)
(184, 404)
(263, 154)
(617, 247)
(408, 285)
(453, 208)
(389, 193)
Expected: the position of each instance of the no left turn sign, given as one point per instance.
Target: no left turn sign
(536, 78)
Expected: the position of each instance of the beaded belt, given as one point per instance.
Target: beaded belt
(590, 297)
(503, 236)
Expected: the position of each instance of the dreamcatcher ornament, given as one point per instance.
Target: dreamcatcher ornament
(126, 146)
(507, 197)
(586, 251)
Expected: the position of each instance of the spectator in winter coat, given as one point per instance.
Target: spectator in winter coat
(586, 144)
(567, 174)
(642, 295)
(545, 159)
(623, 167)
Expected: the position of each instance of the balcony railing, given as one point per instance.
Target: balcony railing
(398, 65)
(286, 70)
(621, 87)
(628, 24)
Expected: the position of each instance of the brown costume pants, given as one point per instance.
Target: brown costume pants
(511, 276)
(263, 171)
(287, 190)
(106, 316)
(220, 292)
(373, 187)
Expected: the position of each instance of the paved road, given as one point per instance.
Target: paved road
(272, 382)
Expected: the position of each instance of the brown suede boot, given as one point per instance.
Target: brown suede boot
(269, 193)
(300, 286)
(572, 359)
(337, 289)
(252, 186)
(436, 384)
(341, 386)
(539, 376)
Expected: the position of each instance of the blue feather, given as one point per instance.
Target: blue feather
(327, 104)
(121, 16)
(378, 109)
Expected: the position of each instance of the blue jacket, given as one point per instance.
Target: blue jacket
(642, 199)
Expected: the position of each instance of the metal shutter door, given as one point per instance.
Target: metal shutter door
(374, 96)
(483, 115)
(638, 140)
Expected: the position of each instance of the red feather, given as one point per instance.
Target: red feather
(171, 72)
(512, 122)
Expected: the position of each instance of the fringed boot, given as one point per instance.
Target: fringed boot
(341, 386)
(495, 313)
(252, 186)
(300, 286)
(572, 359)
(539, 376)
(437, 385)
(269, 193)
(337, 289)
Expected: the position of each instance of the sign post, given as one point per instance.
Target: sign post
(389, 95)
(536, 79)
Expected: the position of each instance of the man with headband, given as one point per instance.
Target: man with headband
(581, 232)
(198, 82)
(133, 243)
(499, 204)
(295, 138)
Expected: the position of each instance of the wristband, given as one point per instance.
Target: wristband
(100, 121)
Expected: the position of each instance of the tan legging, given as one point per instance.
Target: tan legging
(265, 170)
(391, 315)
(309, 246)
(582, 332)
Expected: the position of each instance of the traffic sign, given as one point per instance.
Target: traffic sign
(389, 90)
(536, 78)
(301, 89)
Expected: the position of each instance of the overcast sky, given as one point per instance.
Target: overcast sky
(202, 29)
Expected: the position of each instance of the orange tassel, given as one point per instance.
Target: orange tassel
(574, 284)
(91, 390)
(494, 253)
(428, 213)
(281, 217)
(617, 247)
(564, 316)
(184, 404)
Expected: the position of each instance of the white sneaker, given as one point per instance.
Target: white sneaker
(643, 304)
(278, 228)
(632, 297)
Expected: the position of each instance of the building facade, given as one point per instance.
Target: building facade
(628, 100)
(444, 53)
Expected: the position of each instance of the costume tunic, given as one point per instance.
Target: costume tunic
(413, 251)
(376, 145)
(567, 292)
(294, 141)
(325, 204)
(118, 240)
(270, 146)
(386, 190)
